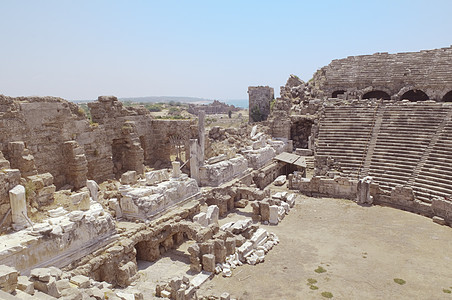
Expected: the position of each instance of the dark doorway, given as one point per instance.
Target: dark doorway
(377, 95)
(448, 97)
(414, 95)
(336, 93)
(300, 132)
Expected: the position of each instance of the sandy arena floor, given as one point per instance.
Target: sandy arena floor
(361, 249)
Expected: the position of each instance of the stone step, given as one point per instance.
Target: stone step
(438, 180)
(434, 187)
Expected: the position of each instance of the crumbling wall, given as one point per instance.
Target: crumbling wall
(259, 102)
(33, 131)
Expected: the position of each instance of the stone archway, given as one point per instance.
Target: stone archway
(414, 95)
(377, 94)
(336, 93)
(447, 97)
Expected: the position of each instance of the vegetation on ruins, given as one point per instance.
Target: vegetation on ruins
(256, 114)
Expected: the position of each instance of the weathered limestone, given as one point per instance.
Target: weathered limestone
(93, 188)
(220, 172)
(21, 158)
(8, 278)
(259, 102)
(176, 169)
(18, 207)
(76, 164)
(142, 202)
(129, 177)
(363, 193)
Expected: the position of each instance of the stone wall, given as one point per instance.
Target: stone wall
(259, 102)
(428, 71)
(216, 107)
(117, 139)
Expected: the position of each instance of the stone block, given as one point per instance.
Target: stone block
(208, 262)
(220, 251)
(8, 278)
(129, 177)
(81, 281)
(273, 217)
(291, 199)
(48, 288)
(93, 189)
(439, 220)
(41, 274)
(265, 210)
(242, 203)
(201, 219)
(280, 180)
(206, 248)
(25, 285)
(213, 213)
(225, 296)
(230, 245)
(176, 173)
(259, 237)
(286, 207)
(244, 250)
(80, 201)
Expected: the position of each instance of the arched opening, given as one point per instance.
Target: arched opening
(336, 93)
(377, 95)
(414, 95)
(448, 97)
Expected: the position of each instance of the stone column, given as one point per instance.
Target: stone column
(194, 162)
(176, 169)
(18, 207)
(201, 136)
(363, 191)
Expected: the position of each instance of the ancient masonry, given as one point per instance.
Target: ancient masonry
(86, 203)
(259, 102)
(216, 107)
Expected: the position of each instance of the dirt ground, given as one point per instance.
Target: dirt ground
(360, 249)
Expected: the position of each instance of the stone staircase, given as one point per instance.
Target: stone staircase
(395, 143)
(434, 175)
(404, 136)
(344, 135)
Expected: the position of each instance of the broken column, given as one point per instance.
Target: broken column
(194, 160)
(201, 137)
(18, 207)
(363, 191)
(176, 169)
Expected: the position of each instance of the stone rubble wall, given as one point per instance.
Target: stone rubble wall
(45, 124)
(216, 107)
(259, 99)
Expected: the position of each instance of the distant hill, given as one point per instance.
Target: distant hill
(166, 99)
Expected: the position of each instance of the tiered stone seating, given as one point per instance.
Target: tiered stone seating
(404, 135)
(344, 134)
(435, 176)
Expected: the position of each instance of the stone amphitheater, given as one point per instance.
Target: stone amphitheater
(119, 205)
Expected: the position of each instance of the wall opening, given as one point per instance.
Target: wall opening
(145, 149)
(414, 95)
(118, 149)
(447, 97)
(376, 95)
(300, 131)
(336, 93)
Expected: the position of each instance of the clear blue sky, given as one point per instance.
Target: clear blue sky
(211, 49)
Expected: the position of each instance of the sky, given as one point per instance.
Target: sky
(209, 49)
